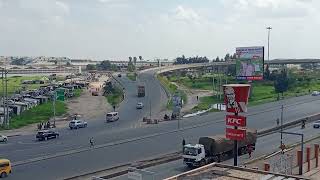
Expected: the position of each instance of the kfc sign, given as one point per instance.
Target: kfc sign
(236, 97)
(235, 134)
(232, 120)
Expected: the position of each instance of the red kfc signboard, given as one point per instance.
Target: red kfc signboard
(232, 120)
(236, 97)
(235, 134)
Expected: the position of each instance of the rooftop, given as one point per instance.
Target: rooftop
(226, 172)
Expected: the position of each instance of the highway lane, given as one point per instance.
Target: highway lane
(29, 148)
(128, 152)
(265, 145)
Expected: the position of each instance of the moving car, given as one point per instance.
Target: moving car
(316, 124)
(75, 124)
(95, 93)
(46, 134)
(119, 75)
(315, 93)
(112, 116)
(5, 168)
(139, 105)
(3, 138)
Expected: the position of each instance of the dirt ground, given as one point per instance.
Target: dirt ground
(88, 106)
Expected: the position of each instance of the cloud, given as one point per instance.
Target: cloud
(186, 14)
(63, 6)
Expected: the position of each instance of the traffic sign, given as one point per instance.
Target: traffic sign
(233, 120)
(235, 134)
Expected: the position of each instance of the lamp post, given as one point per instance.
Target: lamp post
(269, 29)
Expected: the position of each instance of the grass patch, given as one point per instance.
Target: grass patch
(132, 76)
(173, 89)
(206, 102)
(77, 92)
(40, 113)
(115, 97)
(14, 83)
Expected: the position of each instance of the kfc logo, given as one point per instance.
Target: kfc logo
(232, 120)
(236, 97)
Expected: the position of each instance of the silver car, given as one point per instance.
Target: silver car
(139, 105)
(75, 124)
(3, 138)
(316, 124)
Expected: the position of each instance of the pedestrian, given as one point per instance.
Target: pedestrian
(91, 142)
(197, 98)
(278, 122)
(183, 144)
(249, 149)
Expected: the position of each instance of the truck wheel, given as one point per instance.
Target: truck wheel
(3, 175)
(202, 163)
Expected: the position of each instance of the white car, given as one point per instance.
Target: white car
(112, 116)
(316, 124)
(75, 124)
(139, 105)
(315, 93)
(3, 138)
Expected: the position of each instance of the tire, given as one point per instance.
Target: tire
(3, 175)
(70, 128)
(202, 163)
(5, 140)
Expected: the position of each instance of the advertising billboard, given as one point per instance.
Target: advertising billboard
(232, 120)
(249, 63)
(236, 97)
(235, 134)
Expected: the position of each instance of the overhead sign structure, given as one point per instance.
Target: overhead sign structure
(235, 134)
(250, 63)
(233, 120)
(236, 97)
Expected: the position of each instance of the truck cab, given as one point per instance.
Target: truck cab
(194, 155)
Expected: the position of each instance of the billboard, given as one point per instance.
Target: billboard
(232, 120)
(236, 97)
(235, 134)
(249, 63)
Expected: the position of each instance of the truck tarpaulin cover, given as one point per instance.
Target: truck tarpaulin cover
(217, 144)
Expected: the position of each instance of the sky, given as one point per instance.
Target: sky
(117, 29)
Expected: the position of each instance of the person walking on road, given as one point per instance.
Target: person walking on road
(278, 122)
(249, 149)
(91, 142)
(183, 143)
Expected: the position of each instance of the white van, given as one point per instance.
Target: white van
(112, 116)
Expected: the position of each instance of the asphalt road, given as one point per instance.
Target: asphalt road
(265, 145)
(114, 135)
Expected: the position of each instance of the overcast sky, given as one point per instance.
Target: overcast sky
(116, 29)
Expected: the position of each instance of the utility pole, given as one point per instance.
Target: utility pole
(54, 108)
(7, 106)
(281, 119)
(3, 95)
(269, 29)
(212, 81)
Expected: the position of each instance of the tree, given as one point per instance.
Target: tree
(134, 60)
(130, 59)
(227, 57)
(131, 66)
(217, 59)
(68, 63)
(281, 82)
(91, 67)
(140, 58)
(105, 65)
(19, 61)
(267, 73)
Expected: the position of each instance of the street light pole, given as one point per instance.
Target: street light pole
(269, 29)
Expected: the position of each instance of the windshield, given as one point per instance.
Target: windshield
(190, 151)
(109, 115)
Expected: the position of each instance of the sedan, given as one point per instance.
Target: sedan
(46, 134)
(315, 93)
(139, 105)
(316, 124)
(3, 138)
